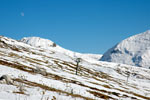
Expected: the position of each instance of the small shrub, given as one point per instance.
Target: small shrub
(43, 93)
(54, 98)
(40, 71)
(21, 86)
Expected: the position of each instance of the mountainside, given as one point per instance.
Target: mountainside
(33, 72)
(134, 50)
(49, 45)
(38, 42)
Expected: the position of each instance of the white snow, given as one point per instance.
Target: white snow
(104, 78)
(38, 42)
(48, 45)
(134, 50)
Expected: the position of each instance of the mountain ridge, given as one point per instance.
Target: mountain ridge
(134, 50)
(50, 45)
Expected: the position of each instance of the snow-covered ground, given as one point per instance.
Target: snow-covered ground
(96, 80)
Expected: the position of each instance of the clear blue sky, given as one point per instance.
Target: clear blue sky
(88, 26)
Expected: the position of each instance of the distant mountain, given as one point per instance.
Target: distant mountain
(134, 50)
(50, 45)
(38, 42)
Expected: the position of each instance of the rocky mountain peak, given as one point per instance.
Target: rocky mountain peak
(134, 50)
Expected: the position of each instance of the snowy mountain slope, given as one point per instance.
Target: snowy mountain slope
(38, 42)
(57, 80)
(134, 50)
(49, 45)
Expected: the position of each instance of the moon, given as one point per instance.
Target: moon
(22, 14)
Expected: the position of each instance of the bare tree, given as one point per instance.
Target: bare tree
(128, 75)
(78, 60)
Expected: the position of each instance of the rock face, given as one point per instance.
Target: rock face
(134, 50)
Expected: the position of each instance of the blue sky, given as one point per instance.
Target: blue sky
(87, 26)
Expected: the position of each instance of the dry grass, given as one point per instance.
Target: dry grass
(141, 96)
(100, 95)
(18, 92)
(56, 77)
(51, 89)
(71, 67)
(17, 66)
(106, 86)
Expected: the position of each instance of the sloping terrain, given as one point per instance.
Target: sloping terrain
(50, 45)
(134, 50)
(47, 74)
